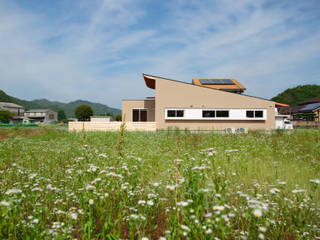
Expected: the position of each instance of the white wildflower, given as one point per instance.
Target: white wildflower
(142, 202)
(90, 187)
(13, 191)
(4, 203)
(184, 227)
(317, 181)
(274, 190)
(182, 204)
(150, 203)
(91, 201)
(218, 208)
(35, 221)
(257, 213)
(171, 187)
(298, 191)
(262, 229)
(74, 216)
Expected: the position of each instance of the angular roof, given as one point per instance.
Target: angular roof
(219, 83)
(150, 81)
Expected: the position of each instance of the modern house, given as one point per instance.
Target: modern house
(41, 115)
(204, 104)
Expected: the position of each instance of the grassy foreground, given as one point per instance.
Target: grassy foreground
(164, 185)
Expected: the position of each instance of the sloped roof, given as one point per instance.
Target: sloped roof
(219, 83)
(310, 107)
(8, 104)
(38, 110)
(311, 100)
(150, 81)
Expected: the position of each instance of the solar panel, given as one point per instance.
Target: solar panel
(217, 82)
(310, 107)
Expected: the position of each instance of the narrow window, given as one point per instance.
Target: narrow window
(223, 114)
(250, 114)
(135, 115)
(208, 114)
(143, 115)
(258, 114)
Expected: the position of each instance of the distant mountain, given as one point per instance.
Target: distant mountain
(98, 108)
(293, 96)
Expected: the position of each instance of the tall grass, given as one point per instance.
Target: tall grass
(166, 184)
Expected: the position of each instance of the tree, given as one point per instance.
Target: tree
(6, 116)
(118, 117)
(83, 112)
(62, 116)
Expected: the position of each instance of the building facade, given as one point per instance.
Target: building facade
(197, 107)
(41, 115)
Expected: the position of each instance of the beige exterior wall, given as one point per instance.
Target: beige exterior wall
(128, 105)
(172, 94)
(111, 126)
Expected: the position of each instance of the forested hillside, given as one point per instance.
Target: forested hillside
(68, 108)
(293, 96)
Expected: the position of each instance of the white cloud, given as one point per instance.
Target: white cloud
(97, 50)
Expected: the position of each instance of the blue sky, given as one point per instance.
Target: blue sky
(97, 50)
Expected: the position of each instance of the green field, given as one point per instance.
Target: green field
(164, 185)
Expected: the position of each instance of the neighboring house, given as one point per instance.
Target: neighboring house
(41, 115)
(100, 118)
(200, 106)
(16, 109)
(307, 110)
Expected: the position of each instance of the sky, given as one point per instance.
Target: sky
(97, 50)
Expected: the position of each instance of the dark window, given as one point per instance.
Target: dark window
(258, 114)
(139, 115)
(143, 115)
(171, 113)
(175, 113)
(180, 113)
(250, 114)
(135, 115)
(208, 114)
(224, 114)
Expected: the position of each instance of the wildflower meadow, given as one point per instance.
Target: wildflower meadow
(56, 184)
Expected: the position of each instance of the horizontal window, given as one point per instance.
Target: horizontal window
(254, 114)
(208, 114)
(175, 113)
(222, 114)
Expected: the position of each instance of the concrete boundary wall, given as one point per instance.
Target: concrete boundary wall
(111, 126)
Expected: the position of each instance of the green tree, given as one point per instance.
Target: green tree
(83, 112)
(119, 117)
(6, 116)
(62, 116)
